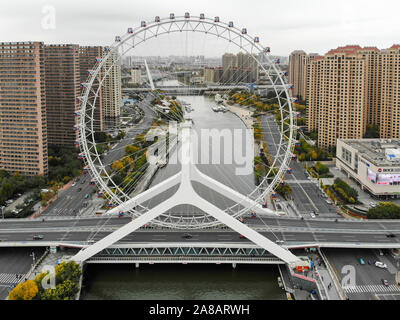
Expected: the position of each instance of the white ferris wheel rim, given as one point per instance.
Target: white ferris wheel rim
(219, 29)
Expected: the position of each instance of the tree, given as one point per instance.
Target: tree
(24, 291)
(131, 149)
(117, 165)
(385, 210)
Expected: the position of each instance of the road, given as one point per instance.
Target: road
(368, 277)
(15, 261)
(289, 230)
(306, 194)
(70, 201)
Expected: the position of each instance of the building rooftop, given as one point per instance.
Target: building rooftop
(380, 152)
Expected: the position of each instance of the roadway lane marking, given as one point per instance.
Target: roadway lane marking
(10, 278)
(371, 288)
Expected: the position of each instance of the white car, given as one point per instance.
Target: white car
(328, 201)
(74, 184)
(380, 265)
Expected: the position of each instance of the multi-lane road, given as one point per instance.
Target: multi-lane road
(306, 195)
(72, 200)
(291, 231)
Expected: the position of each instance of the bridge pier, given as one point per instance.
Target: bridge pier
(234, 265)
(137, 264)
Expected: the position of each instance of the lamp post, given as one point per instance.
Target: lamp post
(33, 258)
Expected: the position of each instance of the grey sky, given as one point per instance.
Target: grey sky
(285, 25)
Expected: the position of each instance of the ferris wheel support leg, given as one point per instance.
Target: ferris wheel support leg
(122, 232)
(249, 233)
(147, 195)
(229, 192)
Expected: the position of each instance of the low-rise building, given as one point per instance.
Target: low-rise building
(373, 163)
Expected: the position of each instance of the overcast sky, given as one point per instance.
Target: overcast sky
(284, 25)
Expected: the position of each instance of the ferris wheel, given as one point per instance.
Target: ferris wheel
(122, 190)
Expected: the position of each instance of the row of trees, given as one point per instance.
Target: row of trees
(67, 285)
(345, 192)
(385, 210)
(305, 152)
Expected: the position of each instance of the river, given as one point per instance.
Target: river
(207, 281)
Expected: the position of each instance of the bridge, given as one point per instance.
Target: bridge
(198, 90)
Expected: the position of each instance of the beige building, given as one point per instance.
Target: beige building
(112, 91)
(351, 87)
(136, 75)
(298, 64)
(62, 90)
(337, 94)
(373, 163)
(23, 135)
(390, 99)
(87, 61)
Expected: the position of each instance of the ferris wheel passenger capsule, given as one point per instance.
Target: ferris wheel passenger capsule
(267, 50)
(230, 24)
(256, 40)
(216, 19)
(157, 19)
(107, 49)
(130, 30)
(172, 16)
(291, 86)
(285, 73)
(80, 156)
(244, 31)
(278, 61)
(143, 24)
(187, 15)
(117, 39)
(202, 17)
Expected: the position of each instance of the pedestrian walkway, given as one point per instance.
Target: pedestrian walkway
(372, 288)
(10, 278)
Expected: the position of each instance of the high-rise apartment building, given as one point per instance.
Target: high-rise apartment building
(351, 87)
(23, 135)
(298, 64)
(390, 96)
(87, 60)
(239, 68)
(62, 89)
(112, 91)
(136, 75)
(337, 93)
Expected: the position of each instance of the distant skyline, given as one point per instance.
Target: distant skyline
(285, 26)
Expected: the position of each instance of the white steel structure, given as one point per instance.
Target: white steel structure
(189, 173)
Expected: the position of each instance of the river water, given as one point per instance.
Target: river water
(181, 282)
(207, 281)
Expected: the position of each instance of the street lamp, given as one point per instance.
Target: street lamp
(33, 258)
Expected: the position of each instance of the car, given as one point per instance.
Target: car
(86, 195)
(10, 201)
(83, 182)
(73, 185)
(279, 241)
(79, 189)
(391, 235)
(312, 214)
(380, 265)
(38, 237)
(369, 262)
(187, 236)
(242, 237)
(385, 282)
(362, 262)
(19, 194)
